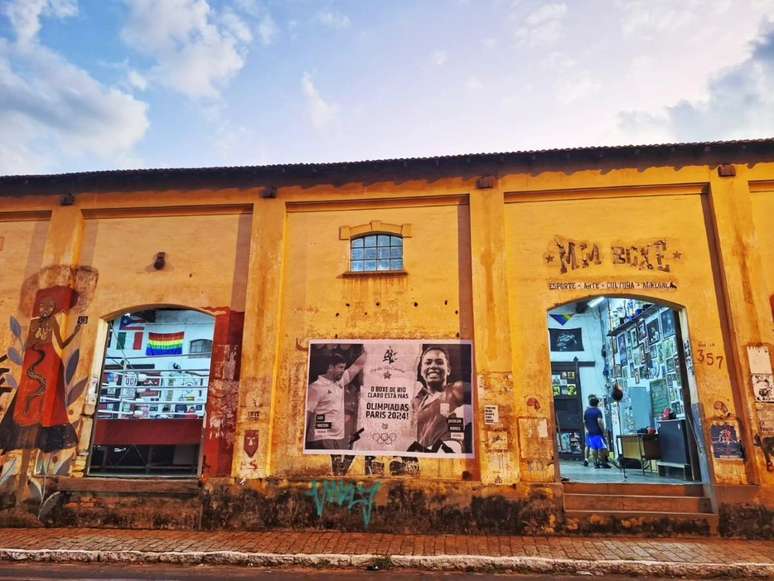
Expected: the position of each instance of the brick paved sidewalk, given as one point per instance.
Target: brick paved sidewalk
(622, 555)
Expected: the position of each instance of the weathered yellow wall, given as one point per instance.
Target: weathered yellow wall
(431, 301)
(21, 256)
(620, 221)
(476, 267)
(763, 216)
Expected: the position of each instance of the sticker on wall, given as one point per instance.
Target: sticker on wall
(759, 359)
(491, 415)
(765, 418)
(763, 387)
(534, 442)
(725, 441)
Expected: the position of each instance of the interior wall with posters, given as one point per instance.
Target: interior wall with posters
(403, 398)
(430, 300)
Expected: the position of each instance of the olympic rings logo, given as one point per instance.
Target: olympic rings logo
(384, 437)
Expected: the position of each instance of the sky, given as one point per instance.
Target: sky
(119, 84)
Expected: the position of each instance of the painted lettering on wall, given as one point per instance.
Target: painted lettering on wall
(349, 495)
(570, 255)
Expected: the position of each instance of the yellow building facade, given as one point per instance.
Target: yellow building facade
(491, 244)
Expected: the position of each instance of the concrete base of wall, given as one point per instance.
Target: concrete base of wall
(389, 505)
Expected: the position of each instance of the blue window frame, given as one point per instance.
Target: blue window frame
(376, 253)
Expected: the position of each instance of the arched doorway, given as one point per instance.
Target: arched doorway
(623, 386)
(152, 395)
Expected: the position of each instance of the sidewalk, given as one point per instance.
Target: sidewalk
(558, 555)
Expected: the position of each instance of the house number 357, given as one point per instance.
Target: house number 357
(709, 358)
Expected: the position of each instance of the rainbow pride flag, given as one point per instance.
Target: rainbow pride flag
(164, 344)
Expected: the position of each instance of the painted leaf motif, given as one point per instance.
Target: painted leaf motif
(72, 365)
(11, 380)
(15, 356)
(64, 469)
(76, 391)
(8, 470)
(16, 328)
(36, 490)
(49, 504)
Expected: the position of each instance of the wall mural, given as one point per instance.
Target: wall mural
(36, 428)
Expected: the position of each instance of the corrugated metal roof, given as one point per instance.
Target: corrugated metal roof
(659, 153)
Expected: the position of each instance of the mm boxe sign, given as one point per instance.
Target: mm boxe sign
(390, 397)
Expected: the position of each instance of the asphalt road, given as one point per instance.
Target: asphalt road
(69, 572)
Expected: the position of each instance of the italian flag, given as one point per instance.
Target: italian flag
(164, 344)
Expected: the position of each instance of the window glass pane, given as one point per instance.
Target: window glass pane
(370, 253)
(357, 243)
(396, 264)
(370, 265)
(384, 264)
(384, 240)
(357, 254)
(370, 241)
(357, 266)
(396, 252)
(384, 252)
(396, 241)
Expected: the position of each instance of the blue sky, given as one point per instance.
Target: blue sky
(103, 84)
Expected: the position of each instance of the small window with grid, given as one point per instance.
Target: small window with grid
(376, 252)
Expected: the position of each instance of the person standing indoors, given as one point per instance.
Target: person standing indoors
(595, 429)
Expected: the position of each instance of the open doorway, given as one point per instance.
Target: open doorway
(622, 360)
(153, 394)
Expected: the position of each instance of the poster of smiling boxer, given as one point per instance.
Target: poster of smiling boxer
(390, 397)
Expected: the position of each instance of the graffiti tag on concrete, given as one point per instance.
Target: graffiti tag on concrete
(347, 494)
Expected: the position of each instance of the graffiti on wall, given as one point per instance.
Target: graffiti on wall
(348, 495)
(37, 417)
(569, 255)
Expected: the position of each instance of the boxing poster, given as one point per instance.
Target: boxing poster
(390, 397)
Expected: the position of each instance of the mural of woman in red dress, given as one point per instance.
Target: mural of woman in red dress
(37, 416)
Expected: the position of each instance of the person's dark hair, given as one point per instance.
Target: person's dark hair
(592, 396)
(335, 359)
(593, 401)
(435, 348)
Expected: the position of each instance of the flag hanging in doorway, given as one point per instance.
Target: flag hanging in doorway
(562, 318)
(164, 344)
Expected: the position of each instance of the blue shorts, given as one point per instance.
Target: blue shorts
(596, 442)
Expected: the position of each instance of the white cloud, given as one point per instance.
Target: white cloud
(51, 110)
(196, 50)
(542, 26)
(267, 29)
(333, 19)
(25, 15)
(439, 57)
(136, 80)
(321, 113)
(739, 104)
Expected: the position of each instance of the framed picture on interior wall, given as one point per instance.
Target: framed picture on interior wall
(667, 323)
(572, 389)
(636, 356)
(622, 348)
(645, 347)
(637, 376)
(564, 340)
(570, 375)
(632, 367)
(671, 365)
(641, 332)
(654, 332)
(672, 379)
(616, 370)
(633, 337)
